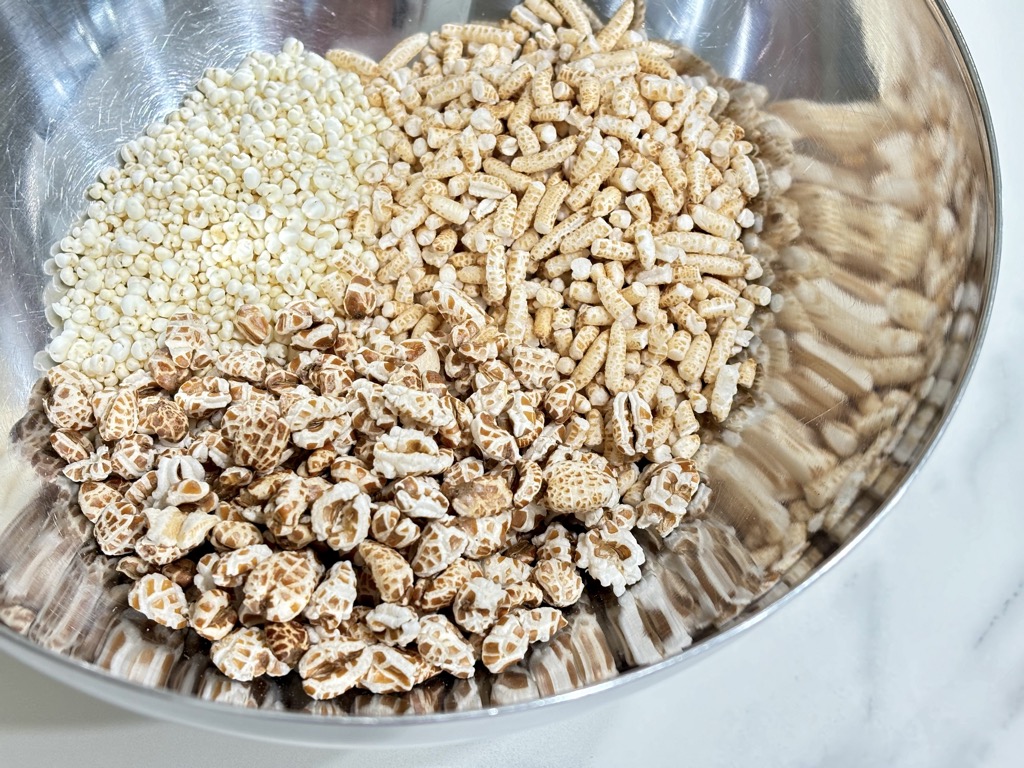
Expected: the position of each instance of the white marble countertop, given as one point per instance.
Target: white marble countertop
(907, 654)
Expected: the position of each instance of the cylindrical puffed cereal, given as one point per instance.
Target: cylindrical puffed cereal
(636, 339)
(540, 86)
(520, 34)
(402, 148)
(443, 168)
(684, 315)
(504, 217)
(557, 265)
(610, 34)
(748, 371)
(700, 242)
(586, 160)
(595, 315)
(495, 272)
(472, 274)
(717, 306)
(391, 100)
(728, 134)
(605, 201)
(666, 199)
(634, 293)
(526, 241)
(639, 206)
(407, 50)
(661, 221)
(582, 341)
(545, 11)
(713, 222)
(683, 420)
(409, 219)
(486, 185)
(517, 264)
(648, 173)
(723, 266)
(574, 15)
(525, 18)
(592, 362)
(527, 208)
(724, 391)
(515, 80)
(548, 244)
(427, 324)
(691, 369)
(595, 429)
(760, 295)
(521, 112)
(716, 287)
(619, 127)
(527, 140)
(622, 102)
(616, 250)
(676, 293)
(364, 227)
(561, 339)
(588, 94)
(725, 198)
(645, 247)
(657, 88)
(697, 174)
(478, 33)
(583, 292)
(450, 53)
(350, 61)
(647, 309)
(448, 209)
(445, 241)
(582, 193)
(547, 209)
(483, 92)
(679, 345)
(615, 358)
(746, 175)
(406, 319)
(585, 235)
(557, 112)
(614, 271)
(542, 324)
(648, 382)
(612, 300)
(448, 90)
(624, 179)
(518, 318)
(469, 148)
(547, 159)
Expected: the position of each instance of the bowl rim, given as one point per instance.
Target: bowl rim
(50, 662)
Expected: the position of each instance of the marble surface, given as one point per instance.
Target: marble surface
(907, 654)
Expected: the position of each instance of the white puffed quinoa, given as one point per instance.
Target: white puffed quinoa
(246, 194)
(385, 364)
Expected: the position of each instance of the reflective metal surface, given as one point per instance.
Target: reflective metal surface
(891, 192)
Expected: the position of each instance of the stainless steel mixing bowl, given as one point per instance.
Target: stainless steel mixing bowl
(892, 195)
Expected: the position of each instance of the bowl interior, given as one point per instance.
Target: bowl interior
(890, 191)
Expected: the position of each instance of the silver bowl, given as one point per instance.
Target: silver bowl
(891, 193)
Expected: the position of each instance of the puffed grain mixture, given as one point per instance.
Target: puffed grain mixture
(363, 367)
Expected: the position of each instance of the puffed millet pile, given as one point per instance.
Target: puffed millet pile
(246, 194)
(411, 463)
